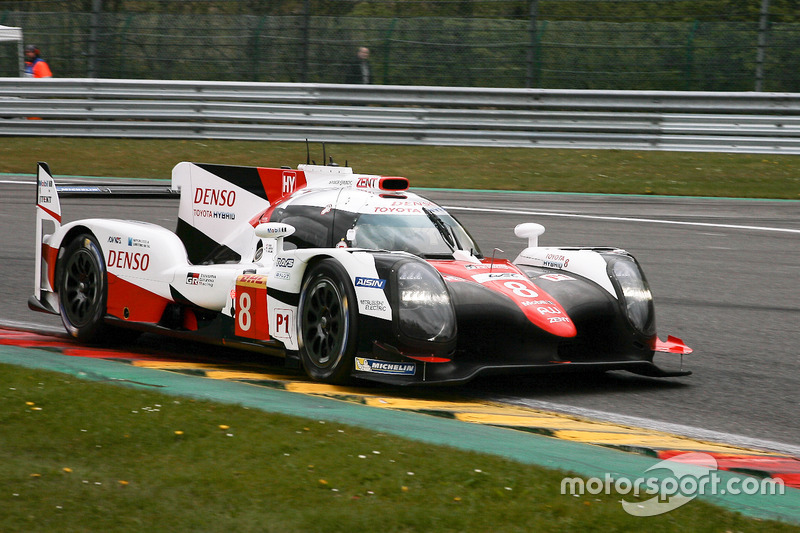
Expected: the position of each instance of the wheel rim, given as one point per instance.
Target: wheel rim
(82, 285)
(324, 319)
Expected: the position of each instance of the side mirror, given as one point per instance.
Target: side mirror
(530, 231)
(274, 230)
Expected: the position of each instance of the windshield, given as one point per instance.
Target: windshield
(430, 235)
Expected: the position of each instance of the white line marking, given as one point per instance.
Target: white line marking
(619, 219)
(718, 437)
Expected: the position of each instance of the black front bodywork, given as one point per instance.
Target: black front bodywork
(494, 336)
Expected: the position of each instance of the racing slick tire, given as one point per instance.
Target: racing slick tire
(328, 323)
(82, 289)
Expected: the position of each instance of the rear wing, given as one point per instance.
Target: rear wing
(48, 222)
(119, 191)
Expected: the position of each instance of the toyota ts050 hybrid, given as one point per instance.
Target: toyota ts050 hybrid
(347, 275)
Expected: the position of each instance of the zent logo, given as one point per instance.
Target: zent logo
(371, 283)
(367, 183)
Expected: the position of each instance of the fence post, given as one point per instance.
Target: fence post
(121, 48)
(530, 59)
(257, 47)
(302, 67)
(94, 30)
(690, 56)
(763, 26)
(387, 50)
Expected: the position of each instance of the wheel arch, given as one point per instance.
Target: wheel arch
(70, 235)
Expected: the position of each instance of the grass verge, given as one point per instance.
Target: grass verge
(523, 169)
(85, 456)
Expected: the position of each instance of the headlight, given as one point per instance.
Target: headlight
(632, 291)
(425, 311)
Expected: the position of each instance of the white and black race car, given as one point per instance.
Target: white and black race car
(347, 275)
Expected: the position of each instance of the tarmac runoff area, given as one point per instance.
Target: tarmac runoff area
(591, 449)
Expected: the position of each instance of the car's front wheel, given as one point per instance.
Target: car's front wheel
(328, 322)
(82, 289)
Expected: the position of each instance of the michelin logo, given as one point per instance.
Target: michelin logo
(385, 367)
(370, 282)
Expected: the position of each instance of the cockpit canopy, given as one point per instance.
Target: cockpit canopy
(379, 222)
(420, 235)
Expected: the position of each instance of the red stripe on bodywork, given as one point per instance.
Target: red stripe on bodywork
(142, 305)
(49, 255)
(49, 212)
(536, 304)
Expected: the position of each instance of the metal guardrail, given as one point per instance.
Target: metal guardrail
(381, 114)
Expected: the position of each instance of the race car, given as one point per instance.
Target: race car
(346, 275)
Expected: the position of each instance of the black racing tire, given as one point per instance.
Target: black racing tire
(83, 289)
(328, 323)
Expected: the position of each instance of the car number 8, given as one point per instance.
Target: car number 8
(244, 311)
(521, 290)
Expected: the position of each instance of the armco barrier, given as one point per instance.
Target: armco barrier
(746, 122)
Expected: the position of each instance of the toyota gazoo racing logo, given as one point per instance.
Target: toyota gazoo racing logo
(195, 278)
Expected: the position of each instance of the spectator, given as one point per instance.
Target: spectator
(35, 66)
(359, 70)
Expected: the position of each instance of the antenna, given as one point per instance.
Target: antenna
(324, 157)
(491, 265)
(308, 153)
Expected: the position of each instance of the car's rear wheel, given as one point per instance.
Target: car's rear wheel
(82, 289)
(328, 322)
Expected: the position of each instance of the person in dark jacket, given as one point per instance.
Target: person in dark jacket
(359, 71)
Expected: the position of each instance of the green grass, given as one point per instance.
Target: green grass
(524, 169)
(85, 456)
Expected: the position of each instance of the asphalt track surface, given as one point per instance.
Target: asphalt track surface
(724, 273)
